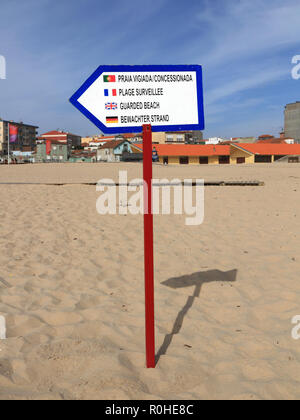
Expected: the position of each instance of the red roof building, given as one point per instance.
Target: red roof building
(72, 140)
(224, 154)
(265, 137)
(190, 150)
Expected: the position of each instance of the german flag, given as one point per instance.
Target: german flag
(112, 120)
(109, 78)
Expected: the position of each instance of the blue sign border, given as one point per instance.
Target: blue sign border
(144, 68)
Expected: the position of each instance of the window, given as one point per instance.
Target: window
(223, 160)
(277, 157)
(180, 139)
(203, 160)
(293, 159)
(183, 160)
(240, 160)
(263, 159)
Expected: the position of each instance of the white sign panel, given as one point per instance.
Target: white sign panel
(167, 97)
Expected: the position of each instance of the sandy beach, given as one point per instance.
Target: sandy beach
(72, 288)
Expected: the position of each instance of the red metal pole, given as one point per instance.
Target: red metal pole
(148, 247)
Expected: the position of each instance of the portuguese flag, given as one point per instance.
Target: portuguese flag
(109, 78)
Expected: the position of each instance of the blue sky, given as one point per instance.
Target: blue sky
(245, 47)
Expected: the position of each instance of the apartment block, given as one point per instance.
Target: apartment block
(292, 121)
(26, 137)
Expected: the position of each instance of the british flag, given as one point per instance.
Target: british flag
(111, 105)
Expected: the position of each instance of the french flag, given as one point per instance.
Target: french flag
(110, 92)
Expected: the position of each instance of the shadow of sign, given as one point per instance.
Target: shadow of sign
(197, 280)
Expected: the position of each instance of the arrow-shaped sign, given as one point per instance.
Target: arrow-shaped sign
(121, 99)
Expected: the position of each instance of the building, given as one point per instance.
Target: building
(96, 139)
(194, 137)
(266, 153)
(51, 151)
(83, 156)
(287, 140)
(94, 145)
(87, 139)
(26, 155)
(71, 140)
(159, 137)
(244, 139)
(114, 150)
(95, 142)
(289, 159)
(215, 140)
(133, 138)
(267, 139)
(177, 137)
(188, 137)
(191, 154)
(292, 121)
(224, 154)
(26, 136)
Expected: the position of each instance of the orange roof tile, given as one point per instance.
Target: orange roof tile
(270, 148)
(190, 150)
(271, 140)
(224, 150)
(54, 133)
(112, 144)
(58, 133)
(265, 136)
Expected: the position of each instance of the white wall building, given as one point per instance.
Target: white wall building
(215, 140)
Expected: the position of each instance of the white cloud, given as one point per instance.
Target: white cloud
(244, 83)
(212, 112)
(246, 29)
(246, 46)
